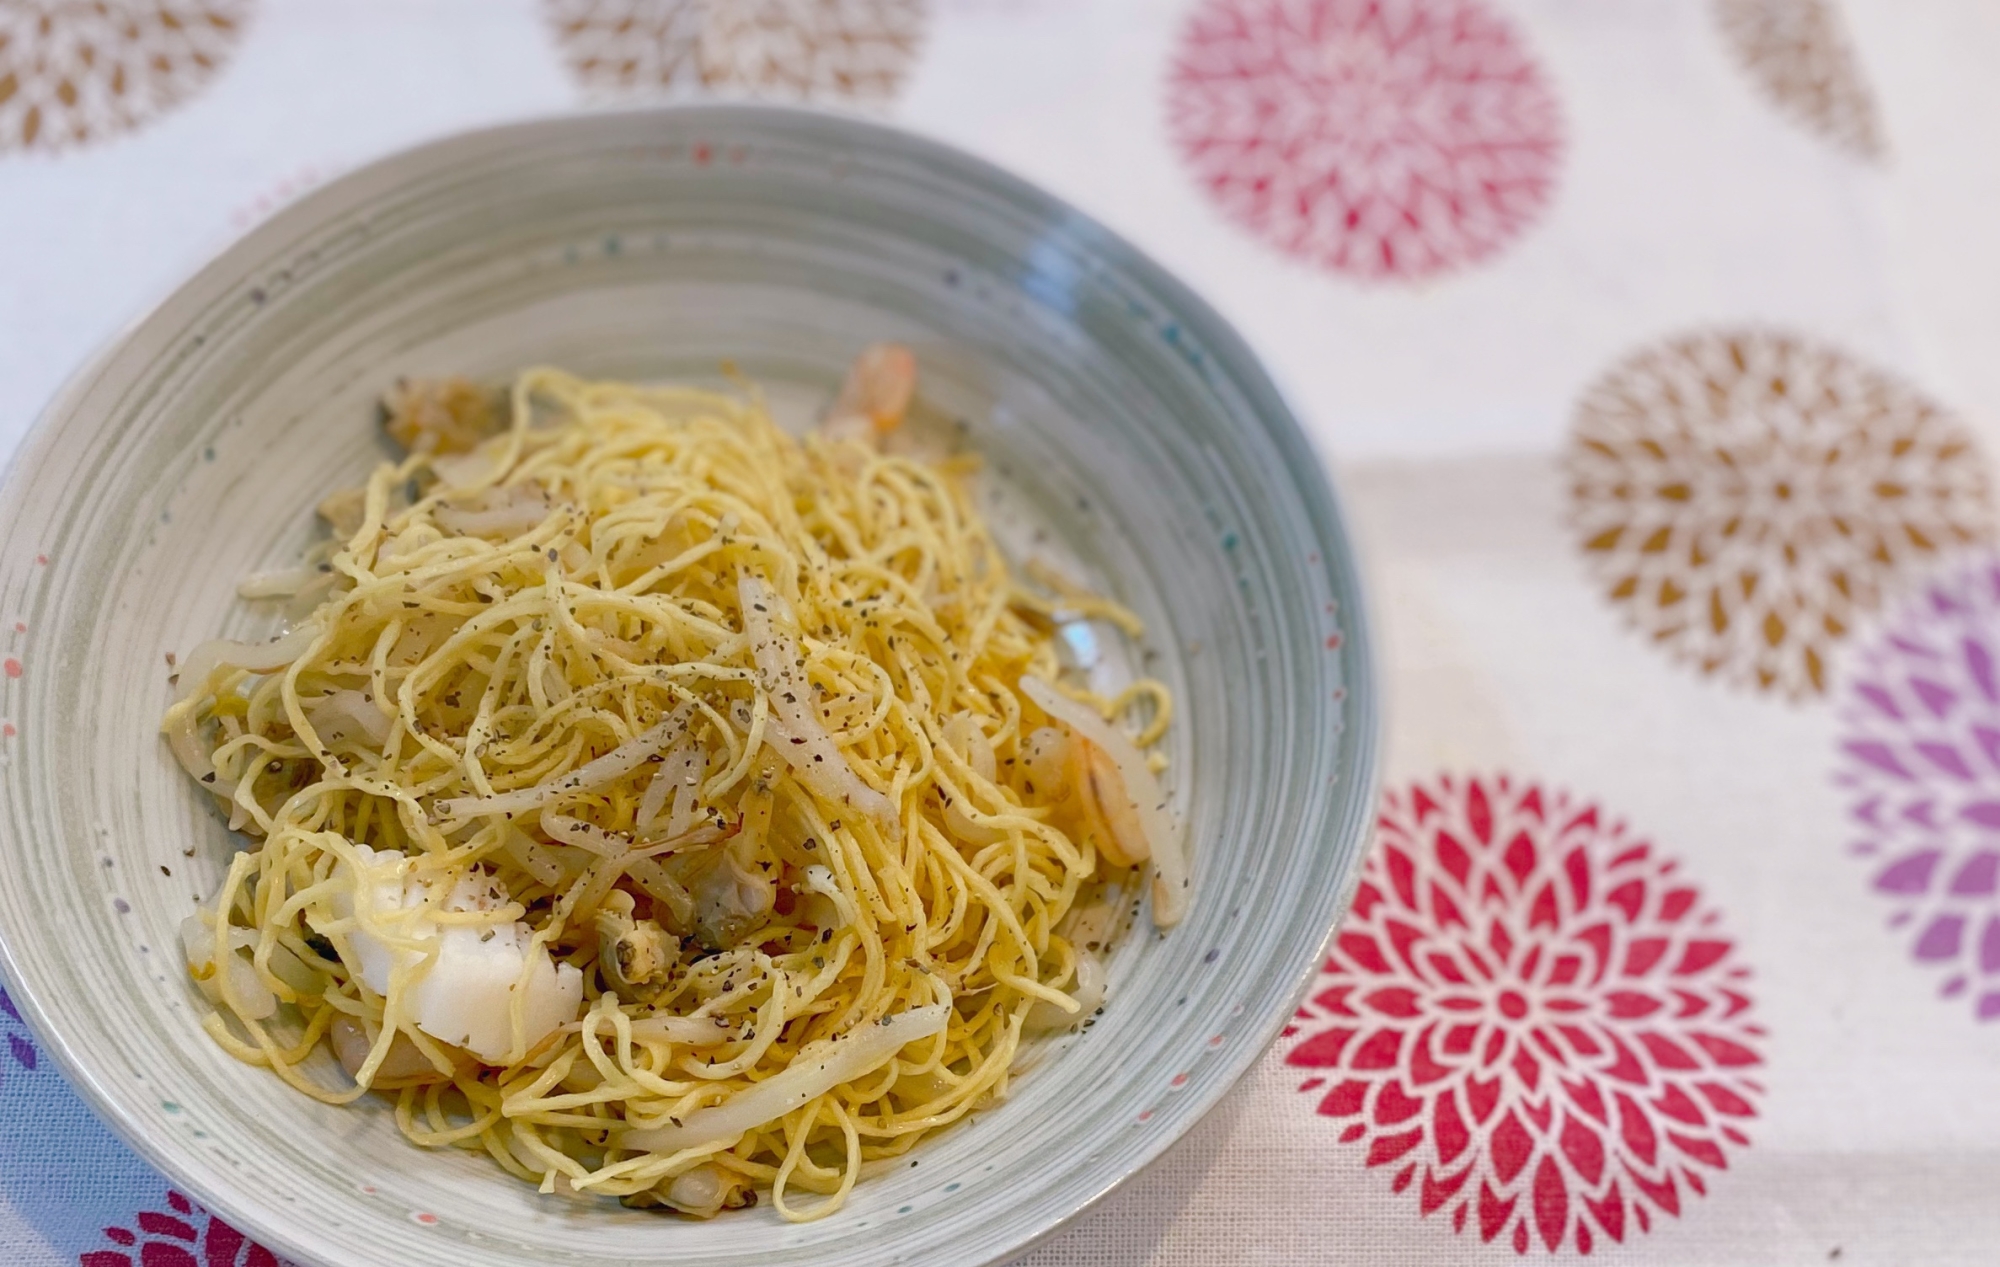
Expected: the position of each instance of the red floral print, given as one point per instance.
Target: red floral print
(182, 1235)
(1385, 139)
(1531, 1018)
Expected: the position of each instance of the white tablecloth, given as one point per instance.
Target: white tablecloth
(1652, 344)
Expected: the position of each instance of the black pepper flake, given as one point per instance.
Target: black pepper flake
(165, 870)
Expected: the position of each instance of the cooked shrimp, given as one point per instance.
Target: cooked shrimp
(876, 395)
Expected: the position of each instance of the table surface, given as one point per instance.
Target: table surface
(1651, 344)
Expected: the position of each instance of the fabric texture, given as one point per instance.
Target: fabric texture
(1650, 343)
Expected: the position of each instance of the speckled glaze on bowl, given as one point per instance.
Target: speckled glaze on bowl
(1120, 411)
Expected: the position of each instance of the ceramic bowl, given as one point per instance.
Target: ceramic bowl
(1118, 413)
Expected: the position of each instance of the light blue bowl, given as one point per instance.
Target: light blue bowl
(1119, 414)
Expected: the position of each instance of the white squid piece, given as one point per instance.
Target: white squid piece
(464, 995)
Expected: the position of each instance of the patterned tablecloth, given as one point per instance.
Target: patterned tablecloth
(1652, 341)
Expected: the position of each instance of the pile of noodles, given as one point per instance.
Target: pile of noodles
(638, 657)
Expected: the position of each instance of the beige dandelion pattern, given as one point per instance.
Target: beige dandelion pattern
(77, 71)
(1798, 53)
(789, 50)
(1745, 497)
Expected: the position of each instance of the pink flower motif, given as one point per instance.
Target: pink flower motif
(1532, 1017)
(183, 1235)
(1386, 139)
(1921, 757)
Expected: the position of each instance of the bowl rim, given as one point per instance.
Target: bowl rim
(1361, 736)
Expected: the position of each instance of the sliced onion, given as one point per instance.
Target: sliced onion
(185, 741)
(279, 583)
(665, 890)
(343, 511)
(960, 824)
(405, 1060)
(620, 761)
(963, 733)
(963, 736)
(295, 972)
(673, 781)
(253, 999)
(1090, 926)
(347, 713)
(502, 521)
(1172, 884)
(258, 657)
(1090, 981)
(593, 839)
(421, 634)
(963, 828)
(653, 802)
(1087, 990)
(687, 798)
(532, 857)
(472, 469)
(585, 836)
(497, 512)
(582, 1076)
(794, 730)
(704, 832)
(247, 995)
(811, 1074)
